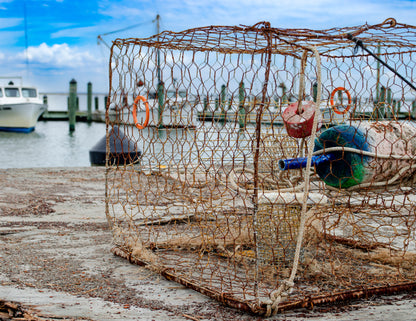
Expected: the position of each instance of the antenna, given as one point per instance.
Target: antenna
(26, 38)
(100, 37)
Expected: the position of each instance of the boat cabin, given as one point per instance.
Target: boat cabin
(17, 92)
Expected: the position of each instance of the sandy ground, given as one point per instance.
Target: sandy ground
(55, 261)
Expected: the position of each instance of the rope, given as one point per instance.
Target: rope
(286, 286)
(302, 80)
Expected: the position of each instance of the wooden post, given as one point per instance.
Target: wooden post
(390, 108)
(315, 91)
(96, 103)
(381, 110)
(205, 104)
(241, 109)
(413, 112)
(105, 102)
(72, 104)
(89, 102)
(223, 96)
(284, 95)
(161, 101)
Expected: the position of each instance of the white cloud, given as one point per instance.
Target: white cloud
(60, 56)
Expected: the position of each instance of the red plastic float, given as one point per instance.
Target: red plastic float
(299, 123)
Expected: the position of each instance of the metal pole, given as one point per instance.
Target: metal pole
(359, 43)
(157, 50)
(378, 75)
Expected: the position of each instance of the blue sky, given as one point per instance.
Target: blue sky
(62, 34)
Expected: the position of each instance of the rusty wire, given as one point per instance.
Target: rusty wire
(206, 204)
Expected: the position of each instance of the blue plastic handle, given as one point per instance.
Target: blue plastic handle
(300, 162)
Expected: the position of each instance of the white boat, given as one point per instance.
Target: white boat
(20, 108)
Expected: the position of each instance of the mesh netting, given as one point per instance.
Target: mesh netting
(222, 199)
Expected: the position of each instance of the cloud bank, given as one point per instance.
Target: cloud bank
(60, 56)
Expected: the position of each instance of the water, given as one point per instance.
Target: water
(50, 145)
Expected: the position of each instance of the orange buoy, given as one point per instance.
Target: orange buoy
(335, 108)
(146, 104)
(299, 122)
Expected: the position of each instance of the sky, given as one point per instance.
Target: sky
(61, 35)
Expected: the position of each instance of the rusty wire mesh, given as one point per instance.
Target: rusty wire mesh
(206, 205)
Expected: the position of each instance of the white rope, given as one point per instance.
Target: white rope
(234, 185)
(363, 152)
(286, 286)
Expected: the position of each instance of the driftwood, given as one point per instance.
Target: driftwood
(14, 311)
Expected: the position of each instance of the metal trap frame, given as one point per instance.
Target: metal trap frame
(206, 204)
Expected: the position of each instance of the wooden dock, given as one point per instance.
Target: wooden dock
(81, 116)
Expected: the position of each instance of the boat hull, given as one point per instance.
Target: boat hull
(20, 117)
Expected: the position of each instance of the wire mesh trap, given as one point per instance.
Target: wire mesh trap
(276, 166)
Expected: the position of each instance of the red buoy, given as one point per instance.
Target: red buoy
(299, 123)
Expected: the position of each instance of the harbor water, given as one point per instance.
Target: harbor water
(50, 145)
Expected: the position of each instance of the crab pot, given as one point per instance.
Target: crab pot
(277, 226)
(207, 205)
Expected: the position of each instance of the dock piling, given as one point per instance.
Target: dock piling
(161, 102)
(89, 102)
(241, 108)
(72, 104)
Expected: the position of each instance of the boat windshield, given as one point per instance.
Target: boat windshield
(28, 92)
(1, 92)
(12, 92)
